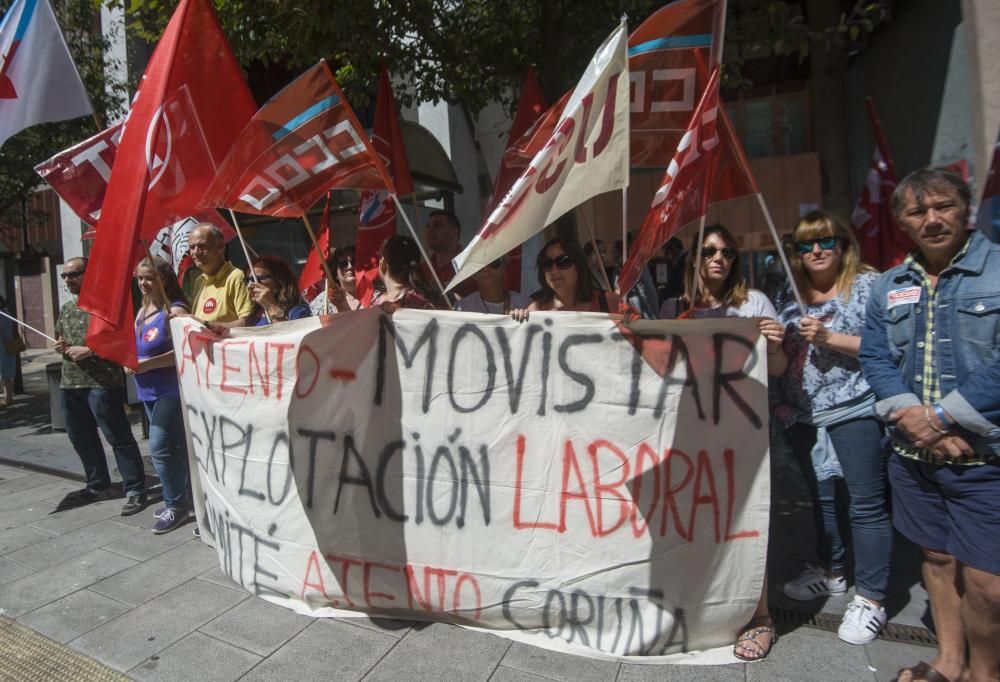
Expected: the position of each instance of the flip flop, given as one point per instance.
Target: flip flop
(748, 640)
(922, 672)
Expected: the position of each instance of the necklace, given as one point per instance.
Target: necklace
(506, 304)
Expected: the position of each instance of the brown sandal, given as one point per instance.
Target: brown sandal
(922, 672)
(748, 639)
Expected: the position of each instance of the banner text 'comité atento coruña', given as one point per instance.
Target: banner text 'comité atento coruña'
(562, 481)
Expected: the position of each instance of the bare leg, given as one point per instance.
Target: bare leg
(760, 645)
(941, 577)
(8, 391)
(980, 613)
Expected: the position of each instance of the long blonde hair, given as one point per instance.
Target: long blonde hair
(734, 290)
(816, 225)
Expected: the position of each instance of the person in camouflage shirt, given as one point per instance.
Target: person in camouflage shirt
(92, 396)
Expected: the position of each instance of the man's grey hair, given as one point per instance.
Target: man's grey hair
(77, 259)
(214, 233)
(924, 180)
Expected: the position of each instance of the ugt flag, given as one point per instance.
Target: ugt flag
(586, 155)
(191, 105)
(302, 142)
(39, 82)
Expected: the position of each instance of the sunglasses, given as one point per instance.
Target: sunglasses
(826, 243)
(260, 278)
(728, 252)
(71, 275)
(345, 262)
(563, 262)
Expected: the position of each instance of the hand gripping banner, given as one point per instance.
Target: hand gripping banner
(563, 482)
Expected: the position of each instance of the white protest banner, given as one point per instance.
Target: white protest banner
(586, 155)
(559, 481)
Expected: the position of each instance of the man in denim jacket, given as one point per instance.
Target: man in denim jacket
(930, 351)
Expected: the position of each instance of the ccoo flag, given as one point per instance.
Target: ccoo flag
(302, 142)
(586, 155)
(39, 82)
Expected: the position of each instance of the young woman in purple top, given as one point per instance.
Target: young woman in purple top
(156, 381)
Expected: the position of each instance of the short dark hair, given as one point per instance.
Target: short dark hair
(452, 218)
(929, 180)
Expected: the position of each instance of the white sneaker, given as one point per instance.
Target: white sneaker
(812, 583)
(862, 622)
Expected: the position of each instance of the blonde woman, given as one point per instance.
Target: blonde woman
(834, 432)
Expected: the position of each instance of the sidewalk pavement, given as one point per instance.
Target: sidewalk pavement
(158, 607)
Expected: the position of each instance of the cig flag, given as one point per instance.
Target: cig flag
(302, 142)
(191, 104)
(39, 82)
(586, 155)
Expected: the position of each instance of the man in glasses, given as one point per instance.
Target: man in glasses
(930, 352)
(91, 396)
(220, 298)
(493, 295)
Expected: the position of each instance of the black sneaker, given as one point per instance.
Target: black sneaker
(134, 504)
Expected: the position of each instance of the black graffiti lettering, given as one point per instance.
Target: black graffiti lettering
(380, 474)
(577, 631)
(724, 380)
(578, 377)
(554, 595)
(428, 337)
(508, 599)
(419, 456)
(210, 432)
(239, 550)
(363, 479)
(314, 438)
(677, 346)
(636, 628)
(442, 453)
(516, 386)
(480, 478)
(546, 364)
(491, 368)
(281, 438)
(673, 645)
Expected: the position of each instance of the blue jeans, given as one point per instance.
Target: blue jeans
(168, 450)
(86, 409)
(863, 489)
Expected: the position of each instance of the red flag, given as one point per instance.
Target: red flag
(312, 277)
(377, 212)
(171, 242)
(529, 109)
(190, 106)
(303, 141)
(709, 166)
(987, 217)
(883, 244)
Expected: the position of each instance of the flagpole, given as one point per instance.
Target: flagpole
(593, 241)
(322, 261)
(624, 224)
(246, 253)
(28, 326)
(781, 254)
(430, 265)
(697, 261)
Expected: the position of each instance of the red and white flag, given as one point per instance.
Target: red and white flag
(171, 242)
(312, 278)
(302, 142)
(988, 214)
(39, 82)
(377, 213)
(708, 167)
(586, 155)
(882, 243)
(190, 106)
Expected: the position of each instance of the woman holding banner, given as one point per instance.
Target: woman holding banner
(720, 291)
(157, 388)
(344, 296)
(833, 430)
(564, 277)
(276, 293)
(399, 269)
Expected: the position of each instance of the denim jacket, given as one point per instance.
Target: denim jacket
(967, 346)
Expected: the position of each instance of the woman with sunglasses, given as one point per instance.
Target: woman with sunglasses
(402, 277)
(343, 295)
(492, 295)
(722, 292)
(565, 282)
(275, 292)
(157, 388)
(833, 430)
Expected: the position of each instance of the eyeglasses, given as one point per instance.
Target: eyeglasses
(826, 243)
(70, 275)
(260, 278)
(563, 262)
(728, 252)
(345, 262)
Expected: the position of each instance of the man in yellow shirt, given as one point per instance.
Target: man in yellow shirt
(220, 298)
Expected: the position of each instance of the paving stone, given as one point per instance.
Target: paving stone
(634, 672)
(463, 654)
(71, 519)
(56, 487)
(25, 481)
(143, 544)
(73, 615)
(133, 637)
(196, 657)
(46, 586)
(215, 576)
(11, 472)
(558, 666)
(241, 626)
(888, 657)
(149, 579)
(505, 674)
(20, 537)
(388, 626)
(11, 570)
(59, 548)
(327, 649)
(15, 518)
(807, 654)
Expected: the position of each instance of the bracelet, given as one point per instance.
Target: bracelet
(943, 416)
(927, 415)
